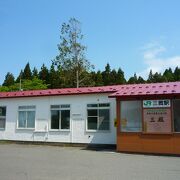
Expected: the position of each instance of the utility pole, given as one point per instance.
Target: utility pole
(20, 83)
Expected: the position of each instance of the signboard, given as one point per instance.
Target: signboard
(157, 120)
(156, 103)
(77, 116)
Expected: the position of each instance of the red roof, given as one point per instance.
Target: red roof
(153, 89)
(169, 88)
(55, 92)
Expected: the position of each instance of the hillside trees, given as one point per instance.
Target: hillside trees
(55, 77)
(9, 79)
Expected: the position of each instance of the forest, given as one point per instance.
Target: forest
(56, 77)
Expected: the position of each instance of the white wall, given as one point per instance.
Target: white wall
(77, 132)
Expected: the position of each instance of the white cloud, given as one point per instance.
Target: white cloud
(154, 60)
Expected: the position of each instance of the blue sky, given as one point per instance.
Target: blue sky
(136, 35)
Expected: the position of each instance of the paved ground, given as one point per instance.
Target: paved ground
(34, 162)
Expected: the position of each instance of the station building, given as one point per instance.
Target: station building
(136, 118)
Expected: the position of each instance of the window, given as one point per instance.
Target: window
(131, 112)
(98, 116)
(2, 117)
(60, 116)
(176, 115)
(26, 117)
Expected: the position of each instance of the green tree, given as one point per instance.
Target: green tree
(120, 77)
(150, 77)
(19, 77)
(140, 80)
(44, 74)
(4, 89)
(27, 74)
(168, 75)
(177, 74)
(54, 77)
(97, 78)
(9, 79)
(133, 80)
(106, 75)
(72, 54)
(113, 77)
(157, 77)
(35, 72)
(33, 84)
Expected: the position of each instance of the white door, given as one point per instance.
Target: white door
(78, 124)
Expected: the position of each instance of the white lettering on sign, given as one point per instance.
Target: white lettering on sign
(156, 103)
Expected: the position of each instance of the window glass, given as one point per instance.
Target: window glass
(104, 119)
(2, 122)
(30, 119)
(92, 105)
(176, 111)
(26, 107)
(131, 116)
(92, 112)
(2, 111)
(54, 119)
(104, 105)
(92, 123)
(2, 117)
(60, 116)
(65, 119)
(26, 117)
(98, 116)
(22, 119)
(55, 106)
(65, 106)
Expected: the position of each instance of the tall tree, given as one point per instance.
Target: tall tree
(35, 72)
(177, 74)
(27, 74)
(133, 80)
(44, 74)
(54, 77)
(120, 77)
(157, 77)
(72, 53)
(140, 80)
(168, 75)
(9, 79)
(19, 77)
(97, 78)
(106, 75)
(150, 77)
(113, 77)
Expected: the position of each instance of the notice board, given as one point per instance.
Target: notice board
(157, 120)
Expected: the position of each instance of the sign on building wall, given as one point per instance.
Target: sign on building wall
(156, 103)
(157, 120)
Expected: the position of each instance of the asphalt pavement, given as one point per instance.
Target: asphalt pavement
(41, 162)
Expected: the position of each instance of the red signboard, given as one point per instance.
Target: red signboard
(157, 120)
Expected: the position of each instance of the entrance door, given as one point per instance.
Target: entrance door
(78, 124)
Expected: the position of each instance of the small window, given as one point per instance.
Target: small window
(98, 116)
(2, 117)
(26, 117)
(176, 115)
(131, 118)
(60, 117)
